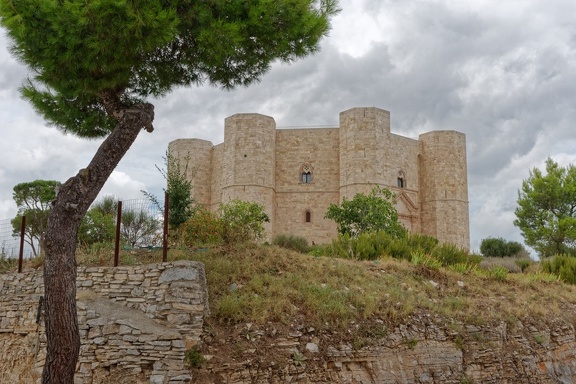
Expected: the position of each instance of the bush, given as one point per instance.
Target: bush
(498, 247)
(295, 243)
(563, 266)
(202, 228)
(449, 254)
(242, 221)
(424, 243)
(367, 246)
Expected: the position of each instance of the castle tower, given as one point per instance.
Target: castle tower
(196, 155)
(249, 161)
(363, 135)
(444, 187)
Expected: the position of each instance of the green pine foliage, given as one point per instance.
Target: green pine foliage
(546, 212)
(80, 51)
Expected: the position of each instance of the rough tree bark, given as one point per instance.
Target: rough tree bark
(70, 206)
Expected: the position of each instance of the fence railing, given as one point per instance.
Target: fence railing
(14, 244)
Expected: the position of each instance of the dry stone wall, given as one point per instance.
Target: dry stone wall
(135, 322)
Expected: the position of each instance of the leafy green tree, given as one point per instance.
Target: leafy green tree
(546, 212)
(99, 224)
(367, 213)
(94, 65)
(34, 200)
(498, 247)
(242, 221)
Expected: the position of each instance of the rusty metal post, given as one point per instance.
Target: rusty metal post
(117, 244)
(165, 234)
(21, 255)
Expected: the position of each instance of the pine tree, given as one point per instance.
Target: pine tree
(96, 62)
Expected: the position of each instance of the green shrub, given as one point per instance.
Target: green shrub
(498, 273)
(524, 263)
(464, 268)
(202, 228)
(295, 243)
(242, 221)
(399, 249)
(498, 247)
(563, 266)
(423, 242)
(450, 254)
(194, 358)
(421, 259)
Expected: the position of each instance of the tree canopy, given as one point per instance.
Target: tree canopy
(367, 213)
(499, 247)
(91, 58)
(34, 200)
(546, 212)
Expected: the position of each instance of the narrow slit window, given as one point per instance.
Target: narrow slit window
(308, 216)
(401, 180)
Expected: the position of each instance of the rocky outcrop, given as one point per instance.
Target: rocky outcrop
(421, 351)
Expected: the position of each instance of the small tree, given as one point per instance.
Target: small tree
(179, 189)
(138, 227)
(34, 200)
(367, 213)
(546, 212)
(99, 224)
(498, 247)
(242, 221)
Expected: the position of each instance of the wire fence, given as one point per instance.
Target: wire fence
(141, 225)
(10, 245)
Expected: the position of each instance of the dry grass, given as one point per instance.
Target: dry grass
(260, 284)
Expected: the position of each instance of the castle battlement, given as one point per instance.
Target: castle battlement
(297, 173)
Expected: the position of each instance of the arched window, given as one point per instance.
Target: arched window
(308, 216)
(306, 174)
(401, 180)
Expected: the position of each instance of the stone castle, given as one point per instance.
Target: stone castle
(297, 173)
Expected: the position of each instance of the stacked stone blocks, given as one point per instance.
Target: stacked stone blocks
(138, 320)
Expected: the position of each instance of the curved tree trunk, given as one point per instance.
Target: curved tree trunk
(70, 206)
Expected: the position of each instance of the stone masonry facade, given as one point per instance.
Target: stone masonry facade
(136, 322)
(297, 173)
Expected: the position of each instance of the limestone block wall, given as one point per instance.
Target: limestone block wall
(135, 322)
(318, 149)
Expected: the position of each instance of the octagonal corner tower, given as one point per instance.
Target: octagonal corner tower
(444, 187)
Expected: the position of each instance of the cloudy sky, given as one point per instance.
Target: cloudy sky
(503, 72)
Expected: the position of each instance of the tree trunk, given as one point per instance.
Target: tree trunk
(70, 206)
